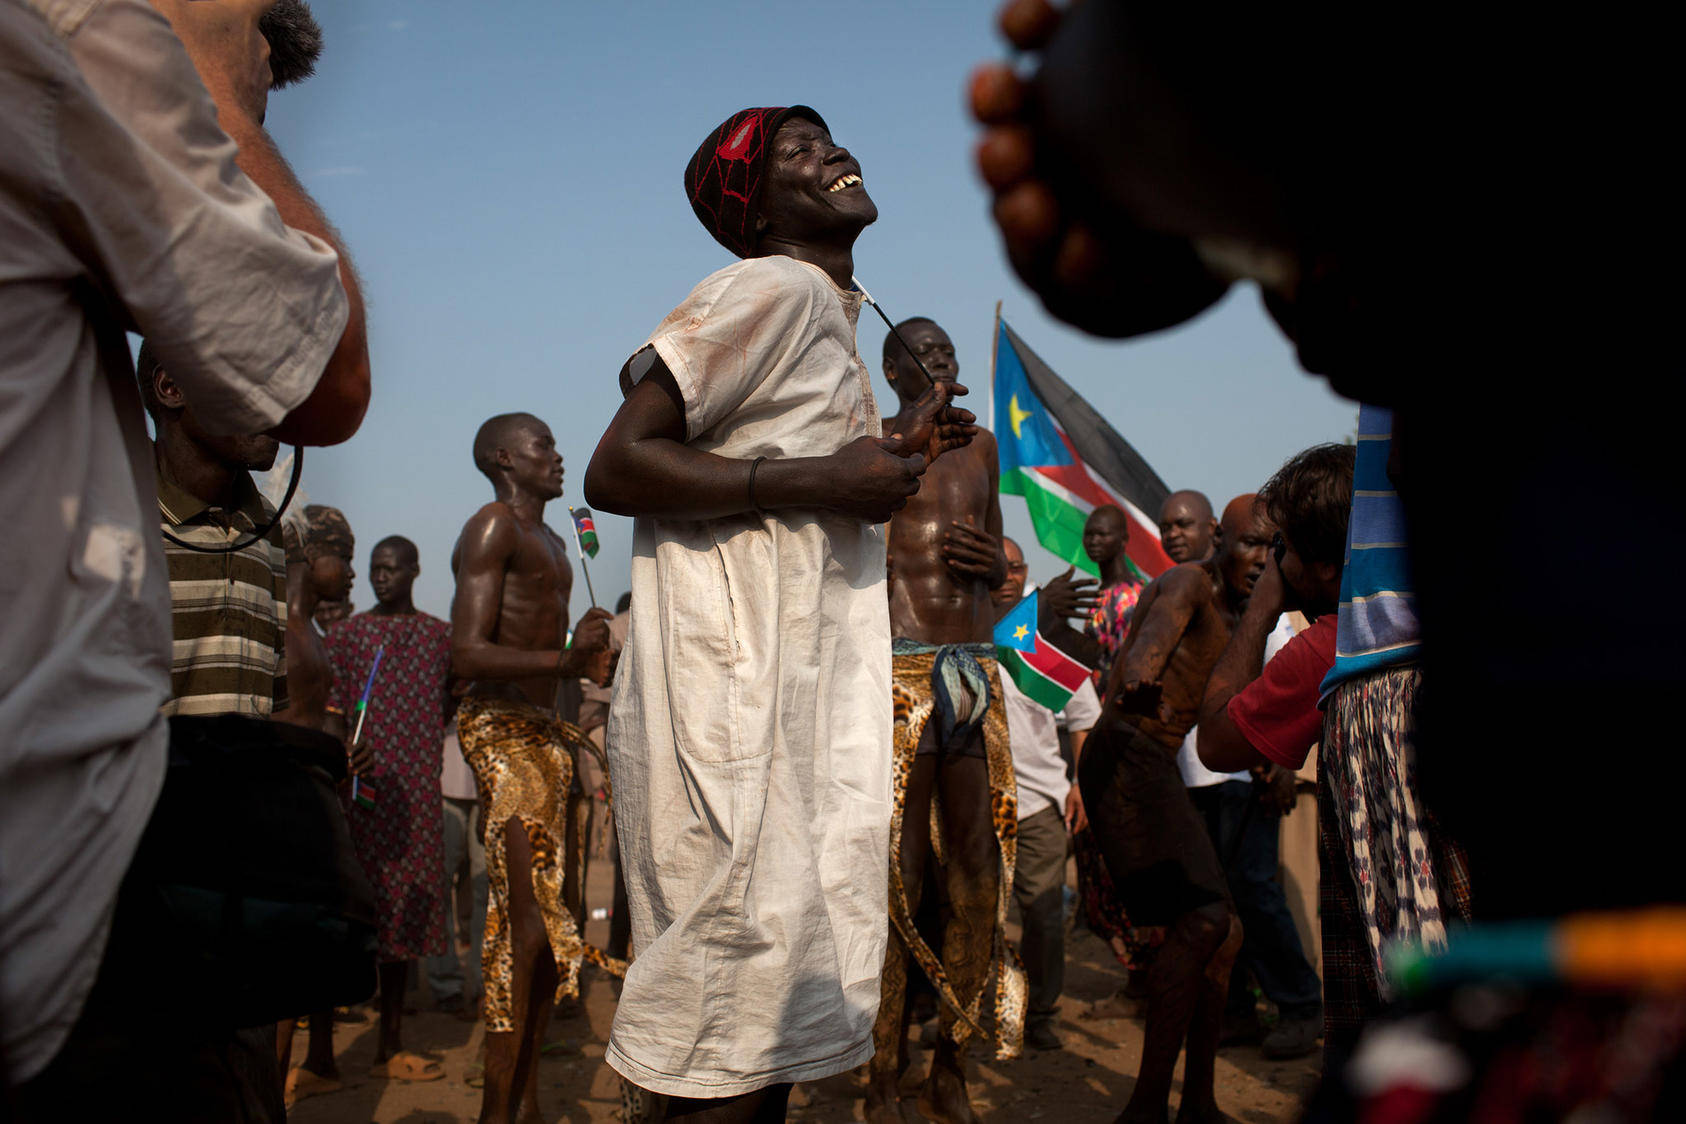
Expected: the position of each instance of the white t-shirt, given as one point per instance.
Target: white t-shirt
(456, 779)
(749, 733)
(1195, 774)
(1033, 730)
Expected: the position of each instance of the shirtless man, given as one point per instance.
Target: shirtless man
(1187, 530)
(509, 626)
(945, 558)
(1157, 850)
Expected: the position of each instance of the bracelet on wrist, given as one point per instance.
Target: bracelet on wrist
(754, 465)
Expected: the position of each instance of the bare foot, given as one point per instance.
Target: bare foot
(943, 1097)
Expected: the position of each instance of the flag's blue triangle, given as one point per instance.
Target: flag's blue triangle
(1017, 630)
(1024, 433)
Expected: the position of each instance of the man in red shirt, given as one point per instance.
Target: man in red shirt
(1255, 713)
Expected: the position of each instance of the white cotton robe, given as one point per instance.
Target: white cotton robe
(749, 733)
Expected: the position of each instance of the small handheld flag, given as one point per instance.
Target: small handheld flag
(362, 793)
(1042, 672)
(585, 530)
(585, 534)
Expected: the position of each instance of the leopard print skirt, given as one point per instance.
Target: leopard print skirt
(523, 762)
(913, 702)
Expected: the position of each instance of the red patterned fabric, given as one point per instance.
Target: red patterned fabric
(1109, 623)
(400, 842)
(723, 179)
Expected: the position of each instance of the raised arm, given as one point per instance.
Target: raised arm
(643, 467)
(335, 409)
(232, 59)
(482, 555)
(1222, 746)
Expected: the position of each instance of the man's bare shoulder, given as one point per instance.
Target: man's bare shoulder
(491, 531)
(1188, 582)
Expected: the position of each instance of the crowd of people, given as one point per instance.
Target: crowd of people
(827, 797)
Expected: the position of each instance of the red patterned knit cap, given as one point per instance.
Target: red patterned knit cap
(723, 180)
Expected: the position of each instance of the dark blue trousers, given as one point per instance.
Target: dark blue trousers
(1247, 836)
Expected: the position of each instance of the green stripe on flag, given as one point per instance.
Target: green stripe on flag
(1058, 521)
(1033, 684)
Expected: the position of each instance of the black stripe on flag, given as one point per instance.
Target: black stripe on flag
(1102, 447)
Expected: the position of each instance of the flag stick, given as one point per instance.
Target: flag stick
(586, 570)
(868, 298)
(994, 347)
(363, 710)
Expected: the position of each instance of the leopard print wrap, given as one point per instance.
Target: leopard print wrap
(912, 703)
(523, 764)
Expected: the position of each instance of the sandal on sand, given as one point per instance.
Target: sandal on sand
(302, 1083)
(405, 1066)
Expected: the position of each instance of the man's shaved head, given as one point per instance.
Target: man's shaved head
(1186, 526)
(1238, 515)
(498, 433)
(1195, 502)
(1246, 542)
(403, 547)
(1011, 589)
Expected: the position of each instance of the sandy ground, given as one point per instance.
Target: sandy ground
(1087, 1081)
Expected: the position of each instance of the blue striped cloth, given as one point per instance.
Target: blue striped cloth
(1378, 620)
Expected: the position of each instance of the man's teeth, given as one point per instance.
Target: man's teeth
(849, 180)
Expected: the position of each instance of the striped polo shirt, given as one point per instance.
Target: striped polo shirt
(228, 612)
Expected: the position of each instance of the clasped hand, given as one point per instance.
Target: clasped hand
(873, 477)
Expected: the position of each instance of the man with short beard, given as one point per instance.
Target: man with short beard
(749, 736)
(1156, 848)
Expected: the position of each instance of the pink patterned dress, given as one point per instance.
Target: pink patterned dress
(1109, 623)
(400, 841)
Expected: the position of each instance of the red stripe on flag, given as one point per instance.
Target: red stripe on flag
(1144, 548)
(1056, 665)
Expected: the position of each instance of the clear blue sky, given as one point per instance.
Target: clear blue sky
(508, 179)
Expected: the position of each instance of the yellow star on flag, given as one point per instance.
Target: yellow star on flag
(1015, 414)
(1021, 632)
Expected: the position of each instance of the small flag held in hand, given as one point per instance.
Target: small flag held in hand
(1041, 671)
(586, 530)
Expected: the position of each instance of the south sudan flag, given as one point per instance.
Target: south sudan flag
(585, 529)
(1066, 460)
(1041, 671)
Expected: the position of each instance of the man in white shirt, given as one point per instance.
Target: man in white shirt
(749, 732)
(138, 192)
(1049, 807)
